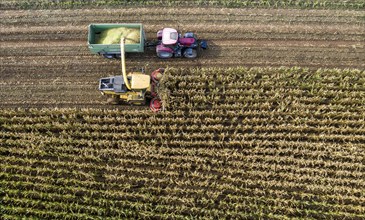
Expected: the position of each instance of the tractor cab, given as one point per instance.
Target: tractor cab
(170, 36)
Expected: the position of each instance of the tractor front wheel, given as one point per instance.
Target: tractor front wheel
(164, 54)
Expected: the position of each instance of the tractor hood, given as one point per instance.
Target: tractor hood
(169, 36)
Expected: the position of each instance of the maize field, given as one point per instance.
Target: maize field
(252, 143)
(268, 123)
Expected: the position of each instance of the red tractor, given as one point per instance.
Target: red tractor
(171, 44)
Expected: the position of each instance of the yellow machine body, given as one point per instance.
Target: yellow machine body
(140, 87)
(140, 81)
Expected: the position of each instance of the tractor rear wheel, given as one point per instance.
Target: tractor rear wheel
(190, 53)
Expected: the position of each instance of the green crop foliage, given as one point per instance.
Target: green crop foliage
(271, 143)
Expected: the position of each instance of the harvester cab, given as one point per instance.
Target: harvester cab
(172, 44)
(132, 88)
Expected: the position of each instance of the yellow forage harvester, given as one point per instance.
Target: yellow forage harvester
(113, 36)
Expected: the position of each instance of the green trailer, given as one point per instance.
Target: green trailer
(98, 44)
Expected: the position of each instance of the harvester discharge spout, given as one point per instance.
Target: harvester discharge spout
(122, 57)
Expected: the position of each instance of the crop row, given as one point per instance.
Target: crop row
(69, 144)
(330, 162)
(153, 18)
(308, 4)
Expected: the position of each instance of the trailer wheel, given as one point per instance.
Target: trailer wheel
(108, 56)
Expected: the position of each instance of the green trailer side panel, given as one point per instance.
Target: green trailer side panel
(95, 30)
